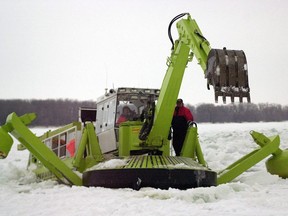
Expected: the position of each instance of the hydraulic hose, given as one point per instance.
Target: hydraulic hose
(170, 24)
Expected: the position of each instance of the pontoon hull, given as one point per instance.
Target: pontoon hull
(153, 171)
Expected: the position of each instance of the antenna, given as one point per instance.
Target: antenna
(106, 79)
(106, 72)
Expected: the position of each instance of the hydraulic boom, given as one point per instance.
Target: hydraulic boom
(225, 70)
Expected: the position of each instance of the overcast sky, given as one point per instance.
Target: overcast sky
(75, 49)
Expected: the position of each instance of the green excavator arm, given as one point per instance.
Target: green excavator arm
(225, 70)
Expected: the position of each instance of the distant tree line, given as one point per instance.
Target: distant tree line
(240, 112)
(60, 112)
(49, 112)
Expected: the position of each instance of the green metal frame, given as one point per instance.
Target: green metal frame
(89, 142)
(129, 140)
(191, 146)
(17, 127)
(267, 146)
(48, 163)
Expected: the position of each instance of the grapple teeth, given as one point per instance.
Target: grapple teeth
(228, 73)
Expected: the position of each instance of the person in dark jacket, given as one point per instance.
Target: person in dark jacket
(182, 115)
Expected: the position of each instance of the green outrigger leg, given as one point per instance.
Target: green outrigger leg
(16, 126)
(267, 146)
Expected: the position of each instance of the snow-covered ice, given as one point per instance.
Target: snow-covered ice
(255, 192)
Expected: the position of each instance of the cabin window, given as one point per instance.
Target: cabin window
(63, 144)
(126, 112)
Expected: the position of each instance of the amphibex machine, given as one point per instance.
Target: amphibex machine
(100, 150)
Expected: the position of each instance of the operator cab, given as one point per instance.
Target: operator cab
(115, 107)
